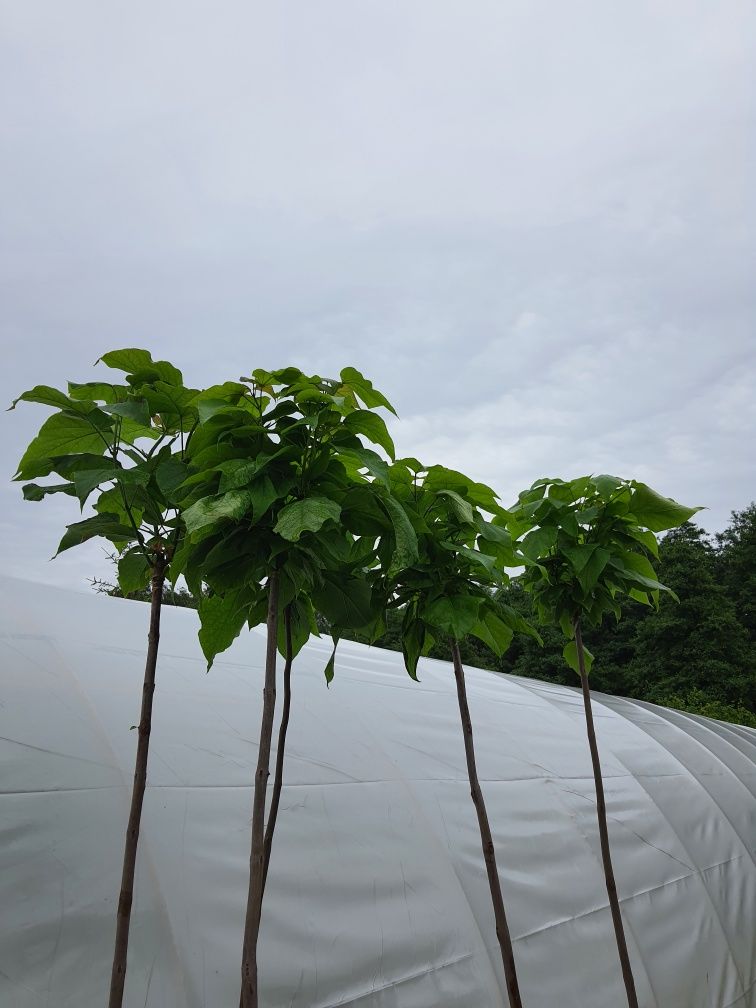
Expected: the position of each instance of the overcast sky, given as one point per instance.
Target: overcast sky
(531, 223)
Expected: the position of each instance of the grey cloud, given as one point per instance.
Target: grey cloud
(530, 223)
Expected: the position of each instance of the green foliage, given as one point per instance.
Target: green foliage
(585, 546)
(700, 643)
(700, 702)
(308, 515)
(695, 655)
(278, 479)
(122, 442)
(570, 655)
(736, 566)
(133, 571)
(221, 620)
(451, 565)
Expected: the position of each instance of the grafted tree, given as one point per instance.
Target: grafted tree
(278, 477)
(124, 443)
(587, 544)
(449, 591)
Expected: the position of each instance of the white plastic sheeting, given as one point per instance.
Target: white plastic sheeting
(377, 894)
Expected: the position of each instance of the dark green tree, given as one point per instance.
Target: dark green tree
(736, 566)
(697, 643)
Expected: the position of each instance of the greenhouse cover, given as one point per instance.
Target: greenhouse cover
(377, 894)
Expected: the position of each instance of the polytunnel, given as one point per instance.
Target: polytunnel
(377, 894)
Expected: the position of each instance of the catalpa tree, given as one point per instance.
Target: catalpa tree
(279, 505)
(588, 544)
(448, 592)
(119, 446)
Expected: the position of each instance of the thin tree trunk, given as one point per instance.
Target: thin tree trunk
(123, 917)
(606, 858)
(502, 928)
(280, 748)
(249, 993)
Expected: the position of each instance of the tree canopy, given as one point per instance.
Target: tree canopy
(697, 655)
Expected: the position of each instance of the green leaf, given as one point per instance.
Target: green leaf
(221, 620)
(591, 571)
(263, 493)
(169, 475)
(493, 631)
(607, 486)
(170, 401)
(362, 512)
(86, 480)
(658, 513)
(128, 360)
(482, 496)
(35, 492)
(346, 602)
(493, 533)
(537, 543)
(107, 525)
(62, 435)
(308, 515)
(516, 622)
(637, 562)
(405, 553)
(48, 396)
(207, 408)
(413, 642)
(364, 388)
(139, 363)
(640, 596)
(132, 431)
(132, 409)
(364, 458)
(112, 502)
(237, 473)
(456, 615)
(638, 568)
(570, 654)
(412, 464)
(133, 571)
(484, 560)
(371, 426)
(645, 538)
(96, 391)
(579, 555)
(329, 669)
(212, 510)
(461, 508)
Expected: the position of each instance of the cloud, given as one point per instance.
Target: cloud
(531, 224)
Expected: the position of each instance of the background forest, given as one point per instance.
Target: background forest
(698, 655)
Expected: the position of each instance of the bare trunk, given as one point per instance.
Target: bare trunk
(280, 748)
(249, 992)
(502, 928)
(123, 917)
(606, 858)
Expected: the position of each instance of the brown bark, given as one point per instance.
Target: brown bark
(249, 989)
(606, 858)
(280, 747)
(123, 917)
(502, 928)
